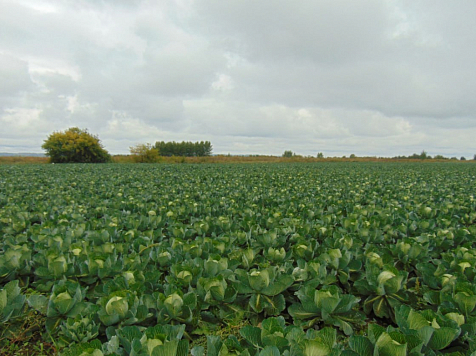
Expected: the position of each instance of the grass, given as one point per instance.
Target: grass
(24, 338)
(223, 331)
(22, 160)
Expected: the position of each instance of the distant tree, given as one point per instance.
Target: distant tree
(462, 158)
(474, 158)
(352, 155)
(75, 146)
(144, 153)
(207, 148)
(422, 155)
(184, 149)
(288, 154)
(320, 155)
(440, 157)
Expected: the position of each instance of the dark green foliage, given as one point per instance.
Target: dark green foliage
(422, 155)
(184, 149)
(307, 259)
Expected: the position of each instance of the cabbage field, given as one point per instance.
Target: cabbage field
(369, 259)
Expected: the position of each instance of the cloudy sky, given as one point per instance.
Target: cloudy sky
(372, 77)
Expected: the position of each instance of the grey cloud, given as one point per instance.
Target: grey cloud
(339, 77)
(348, 54)
(60, 84)
(327, 32)
(183, 73)
(14, 76)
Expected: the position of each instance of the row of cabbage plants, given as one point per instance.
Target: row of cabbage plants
(308, 259)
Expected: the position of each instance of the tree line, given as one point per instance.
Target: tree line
(425, 155)
(146, 153)
(79, 146)
(422, 156)
(184, 148)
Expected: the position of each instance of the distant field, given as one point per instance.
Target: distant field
(324, 258)
(22, 159)
(229, 159)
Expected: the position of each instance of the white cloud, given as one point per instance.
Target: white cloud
(20, 118)
(223, 82)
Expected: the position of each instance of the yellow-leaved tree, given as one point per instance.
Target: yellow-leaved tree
(75, 146)
(144, 153)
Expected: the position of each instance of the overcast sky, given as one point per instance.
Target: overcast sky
(374, 77)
